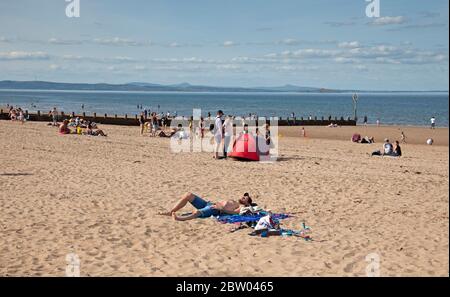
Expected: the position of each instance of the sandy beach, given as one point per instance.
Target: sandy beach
(99, 198)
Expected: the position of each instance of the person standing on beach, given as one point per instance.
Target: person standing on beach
(201, 127)
(433, 122)
(365, 120)
(218, 133)
(54, 114)
(142, 123)
(378, 122)
(228, 128)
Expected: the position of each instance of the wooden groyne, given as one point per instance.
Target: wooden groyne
(126, 120)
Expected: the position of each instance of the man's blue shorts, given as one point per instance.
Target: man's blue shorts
(204, 207)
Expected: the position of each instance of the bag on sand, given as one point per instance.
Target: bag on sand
(266, 223)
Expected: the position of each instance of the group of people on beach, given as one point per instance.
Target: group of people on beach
(81, 127)
(17, 114)
(223, 131)
(389, 149)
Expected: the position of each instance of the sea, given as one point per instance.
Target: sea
(390, 108)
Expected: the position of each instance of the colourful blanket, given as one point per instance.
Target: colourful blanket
(232, 219)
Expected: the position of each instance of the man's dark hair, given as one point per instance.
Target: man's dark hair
(250, 201)
(220, 112)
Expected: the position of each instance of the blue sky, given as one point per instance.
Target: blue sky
(317, 43)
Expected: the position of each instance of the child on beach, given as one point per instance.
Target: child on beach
(403, 137)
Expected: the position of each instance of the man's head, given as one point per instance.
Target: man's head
(220, 113)
(246, 200)
(386, 140)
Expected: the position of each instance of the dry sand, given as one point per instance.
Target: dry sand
(98, 197)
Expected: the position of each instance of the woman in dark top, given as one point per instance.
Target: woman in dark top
(397, 149)
(142, 122)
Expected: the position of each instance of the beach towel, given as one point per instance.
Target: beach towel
(232, 219)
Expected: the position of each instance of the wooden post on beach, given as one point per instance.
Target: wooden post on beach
(38, 114)
(115, 116)
(126, 116)
(95, 115)
(73, 114)
(84, 114)
(106, 115)
(135, 116)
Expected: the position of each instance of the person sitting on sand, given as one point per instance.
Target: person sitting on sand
(64, 128)
(387, 149)
(206, 209)
(397, 152)
(94, 132)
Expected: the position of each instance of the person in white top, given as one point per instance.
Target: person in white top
(228, 127)
(433, 122)
(218, 133)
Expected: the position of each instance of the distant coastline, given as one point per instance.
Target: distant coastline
(183, 87)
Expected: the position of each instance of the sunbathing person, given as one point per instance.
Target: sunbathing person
(172, 132)
(206, 209)
(368, 140)
(92, 132)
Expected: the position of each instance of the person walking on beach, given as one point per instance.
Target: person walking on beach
(218, 133)
(433, 122)
(403, 137)
(365, 120)
(303, 132)
(378, 122)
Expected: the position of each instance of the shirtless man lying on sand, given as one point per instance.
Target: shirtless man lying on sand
(205, 209)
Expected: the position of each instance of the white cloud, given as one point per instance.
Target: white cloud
(349, 44)
(57, 41)
(290, 41)
(229, 67)
(55, 67)
(4, 39)
(20, 55)
(362, 68)
(119, 42)
(341, 24)
(388, 20)
(229, 43)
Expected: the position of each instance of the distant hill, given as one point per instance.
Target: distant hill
(141, 86)
(182, 87)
